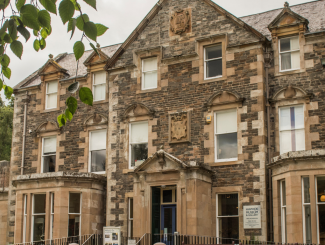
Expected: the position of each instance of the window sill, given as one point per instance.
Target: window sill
(289, 72)
(99, 173)
(148, 90)
(50, 110)
(210, 80)
(100, 102)
(226, 162)
(126, 171)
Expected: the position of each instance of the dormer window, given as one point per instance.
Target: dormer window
(289, 53)
(51, 95)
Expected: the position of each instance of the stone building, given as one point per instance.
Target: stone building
(199, 119)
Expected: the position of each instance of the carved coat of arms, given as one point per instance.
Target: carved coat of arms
(180, 22)
(179, 127)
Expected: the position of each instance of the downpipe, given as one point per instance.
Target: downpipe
(24, 135)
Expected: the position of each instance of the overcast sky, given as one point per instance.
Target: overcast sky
(122, 17)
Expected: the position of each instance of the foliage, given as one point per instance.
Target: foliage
(35, 17)
(6, 124)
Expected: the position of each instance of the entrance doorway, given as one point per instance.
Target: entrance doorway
(164, 214)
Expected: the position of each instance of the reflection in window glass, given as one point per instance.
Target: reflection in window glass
(74, 214)
(49, 154)
(138, 143)
(38, 219)
(97, 151)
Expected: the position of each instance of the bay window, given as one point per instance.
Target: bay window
(213, 61)
(38, 217)
(289, 53)
(138, 143)
(99, 86)
(149, 73)
(306, 210)
(52, 216)
(283, 207)
(320, 205)
(97, 151)
(74, 214)
(24, 218)
(51, 95)
(226, 135)
(292, 130)
(48, 154)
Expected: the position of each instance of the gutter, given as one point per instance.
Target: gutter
(24, 133)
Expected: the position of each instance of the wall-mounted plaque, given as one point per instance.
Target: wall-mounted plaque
(179, 127)
(252, 217)
(112, 235)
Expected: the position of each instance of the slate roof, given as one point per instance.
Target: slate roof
(68, 62)
(314, 12)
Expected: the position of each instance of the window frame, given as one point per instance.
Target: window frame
(217, 212)
(130, 143)
(205, 60)
(304, 205)
(216, 134)
(42, 156)
(151, 71)
(46, 94)
(283, 212)
(94, 85)
(51, 215)
(295, 50)
(25, 218)
(89, 151)
(33, 217)
(130, 220)
(75, 213)
(317, 207)
(304, 128)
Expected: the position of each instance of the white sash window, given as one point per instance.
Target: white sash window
(99, 86)
(97, 151)
(138, 143)
(213, 61)
(51, 95)
(149, 73)
(49, 154)
(289, 53)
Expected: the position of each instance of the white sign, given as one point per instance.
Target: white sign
(252, 217)
(112, 235)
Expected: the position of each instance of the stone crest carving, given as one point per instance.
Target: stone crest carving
(180, 22)
(179, 130)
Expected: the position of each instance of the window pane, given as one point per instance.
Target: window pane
(213, 52)
(150, 80)
(228, 228)
(39, 203)
(285, 142)
(139, 153)
(321, 220)
(300, 139)
(285, 122)
(308, 224)
(51, 101)
(227, 146)
(320, 189)
(226, 122)
(49, 164)
(283, 193)
(295, 60)
(131, 208)
(306, 190)
(98, 161)
(52, 204)
(227, 204)
(74, 203)
(39, 228)
(299, 117)
(285, 44)
(294, 43)
(99, 92)
(49, 145)
(99, 77)
(167, 196)
(285, 61)
(52, 87)
(139, 132)
(214, 68)
(150, 64)
(74, 225)
(98, 140)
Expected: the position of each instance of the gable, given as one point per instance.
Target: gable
(159, 28)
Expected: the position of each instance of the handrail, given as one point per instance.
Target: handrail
(88, 239)
(141, 238)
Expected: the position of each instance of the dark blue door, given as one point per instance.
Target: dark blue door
(168, 223)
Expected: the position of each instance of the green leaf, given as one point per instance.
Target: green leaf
(78, 49)
(101, 29)
(66, 10)
(8, 92)
(44, 18)
(44, 33)
(72, 26)
(7, 38)
(17, 48)
(76, 5)
(72, 104)
(20, 3)
(4, 4)
(94, 48)
(92, 3)
(90, 30)
(35, 33)
(36, 45)
(29, 16)
(49, 5)
(81, 20)
(86, 96)
(6, 72)
(23, 31)
(2, 50)
(1, 84)
(62, 120)
(5, 60)
(68, 114)
(73, 87)
(42, 43)
(12, 29)
(4, 28)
